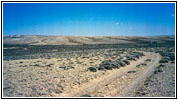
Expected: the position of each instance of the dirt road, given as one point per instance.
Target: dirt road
(34, 78)
(119, 82)
(139, 82)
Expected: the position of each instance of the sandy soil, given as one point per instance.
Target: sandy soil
(160, 84)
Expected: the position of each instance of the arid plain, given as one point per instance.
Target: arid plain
(83, 66)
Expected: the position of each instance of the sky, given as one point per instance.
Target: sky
(89, 19)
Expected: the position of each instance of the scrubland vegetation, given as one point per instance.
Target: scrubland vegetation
(54, 70)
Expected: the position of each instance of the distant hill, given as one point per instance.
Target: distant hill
(80, 40)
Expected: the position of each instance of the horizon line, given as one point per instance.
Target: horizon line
(90, 35)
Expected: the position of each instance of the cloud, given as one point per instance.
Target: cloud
(173, 15)
(117, 23)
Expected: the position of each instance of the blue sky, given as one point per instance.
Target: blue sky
(89, 19)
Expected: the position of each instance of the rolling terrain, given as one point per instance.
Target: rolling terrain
(103, 66)
(80, 40)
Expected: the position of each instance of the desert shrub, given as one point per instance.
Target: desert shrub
(172, 61)
(101, 68)
(21, 62)
(37, 65)
(84, 57)
(70, 67)
(108, 67)
(141, 54)
(133, 71)
(148, 60)
(166, 58)
(91, 62)
(131, 58)
(138, 65)
(63, 67)
(168, 54)
(158, 70)
(143, 64)
(163, 61)
(57, 91)
(161, 65)
(171, 57)
(122, 64)
(23, 66)
(92, 69)
(85, 95)
(137, 56)
(127, 57)
(115, 64)
(67, 67)
(119, 59)
(126, 62)
(155, 72)
(107, 64)
(49, 65)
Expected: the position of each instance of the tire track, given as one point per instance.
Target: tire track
(97, 84)
(139, 82)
